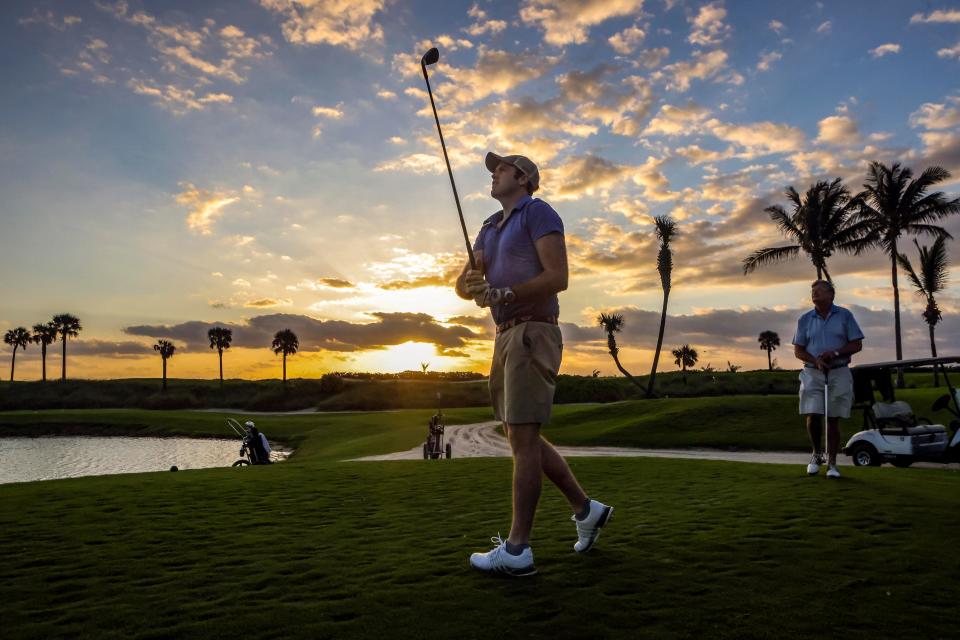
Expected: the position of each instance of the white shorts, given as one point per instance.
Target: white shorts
(840, 392)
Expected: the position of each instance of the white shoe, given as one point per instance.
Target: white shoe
(833, 472)
(498, 560)
(814, 467)
(588, 529)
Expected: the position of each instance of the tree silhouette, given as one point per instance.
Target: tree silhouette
(220, 339)
(424, 365)
(166, 349)
(893, 203)
(613, 323)
(769, 341)
(822, 222)
(67, 326)
(932, 279)
(666, 229)
(44, 335)
(285, 342)
(17, 338)
(685, 356)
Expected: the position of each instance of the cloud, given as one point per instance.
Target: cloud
(582, 175)
(386, 94)
(825, 27)
(953, 52)
(651, 58)
(495, 72)
(419, 163)
(703, 66)
(50, 19)
(334, 113)
(569, 21)
(95, 347)
(758, 138)
(838, 130)
(776, 26)
(884, 49)
(696, 155)
(708, 27)
(482, 24)
(939, 15)
(266, 303)
(315, 335)
(340, 23)
(626, 41)
(672, 121)
(767, 59)
(204, 206)
(932, 115)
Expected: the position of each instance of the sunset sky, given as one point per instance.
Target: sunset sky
(166, 166)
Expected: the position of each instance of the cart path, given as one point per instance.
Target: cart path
(481, 440)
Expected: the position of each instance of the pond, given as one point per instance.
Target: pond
(50, 457)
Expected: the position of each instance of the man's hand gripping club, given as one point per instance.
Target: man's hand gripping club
(483, 294)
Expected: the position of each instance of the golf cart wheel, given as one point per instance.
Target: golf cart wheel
(241, 462)
(425, 454)
(902, 462)
(449, 451)
(865, 455)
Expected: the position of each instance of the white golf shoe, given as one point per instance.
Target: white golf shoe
(814, 467)
(833, 472)
(498, 560)
(588, 529)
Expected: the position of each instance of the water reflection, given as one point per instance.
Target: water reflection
(46, 458)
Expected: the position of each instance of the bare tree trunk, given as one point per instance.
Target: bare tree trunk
(43, 354)
(933, 351)
(656, 354)
(284, 367)
(769, 360)
(612, 344)
(63, 370)
(164, 373)
(220, 354)
(896, 313)
(13, 362)
(827, 273)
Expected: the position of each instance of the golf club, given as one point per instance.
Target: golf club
(431, 57)
(826, 414)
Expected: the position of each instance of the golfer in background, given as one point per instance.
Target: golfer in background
(826, 338)
(521, 266)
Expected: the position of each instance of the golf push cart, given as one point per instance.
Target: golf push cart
(892, 433)
(433, 448)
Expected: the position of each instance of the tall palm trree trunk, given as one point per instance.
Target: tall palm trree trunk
(769, 361)
(13, 362)
(656, 354)
(933, 353)
(43, 359)
(63, 370)
(220, 355)
(164, 374)
(896, 315)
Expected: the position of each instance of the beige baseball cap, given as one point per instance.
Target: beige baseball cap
(520, 162)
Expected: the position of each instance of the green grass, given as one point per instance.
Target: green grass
(316, 547)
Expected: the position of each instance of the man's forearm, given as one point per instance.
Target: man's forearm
(804, 355)
(542, 285)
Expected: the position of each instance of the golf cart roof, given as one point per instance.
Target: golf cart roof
(906, 364)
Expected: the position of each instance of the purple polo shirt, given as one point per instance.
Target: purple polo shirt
(510, 257)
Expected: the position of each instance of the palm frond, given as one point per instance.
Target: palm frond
(769, 255)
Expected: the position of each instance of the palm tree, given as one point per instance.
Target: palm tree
(424, 365)
(166, 349)
(220, 339)
(666, 229)
(769, 341)
(613, 323)
(894, 204)
(67, 326)
(285, 342)
(685, 356)
(17, 338)
(44, 335)
(931, 279)
(822, 222)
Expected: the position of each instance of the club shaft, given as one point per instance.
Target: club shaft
(456, 197)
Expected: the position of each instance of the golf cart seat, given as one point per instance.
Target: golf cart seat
(897, 418)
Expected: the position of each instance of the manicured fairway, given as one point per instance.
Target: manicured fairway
(316, 547)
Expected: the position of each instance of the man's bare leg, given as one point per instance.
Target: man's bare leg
(815, 431)
(527, 478)
(833, 440)
(559, 473)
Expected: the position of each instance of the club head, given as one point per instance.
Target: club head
(430, 57)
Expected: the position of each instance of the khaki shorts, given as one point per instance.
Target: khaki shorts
(840, 392)
(526, 359)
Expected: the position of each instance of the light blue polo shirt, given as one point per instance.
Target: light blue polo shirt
(510, 257)
(816, 334)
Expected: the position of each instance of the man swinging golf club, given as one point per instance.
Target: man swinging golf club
(520, 267)
(826, 337)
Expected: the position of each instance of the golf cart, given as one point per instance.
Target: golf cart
(892, 432)
(433, 448)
